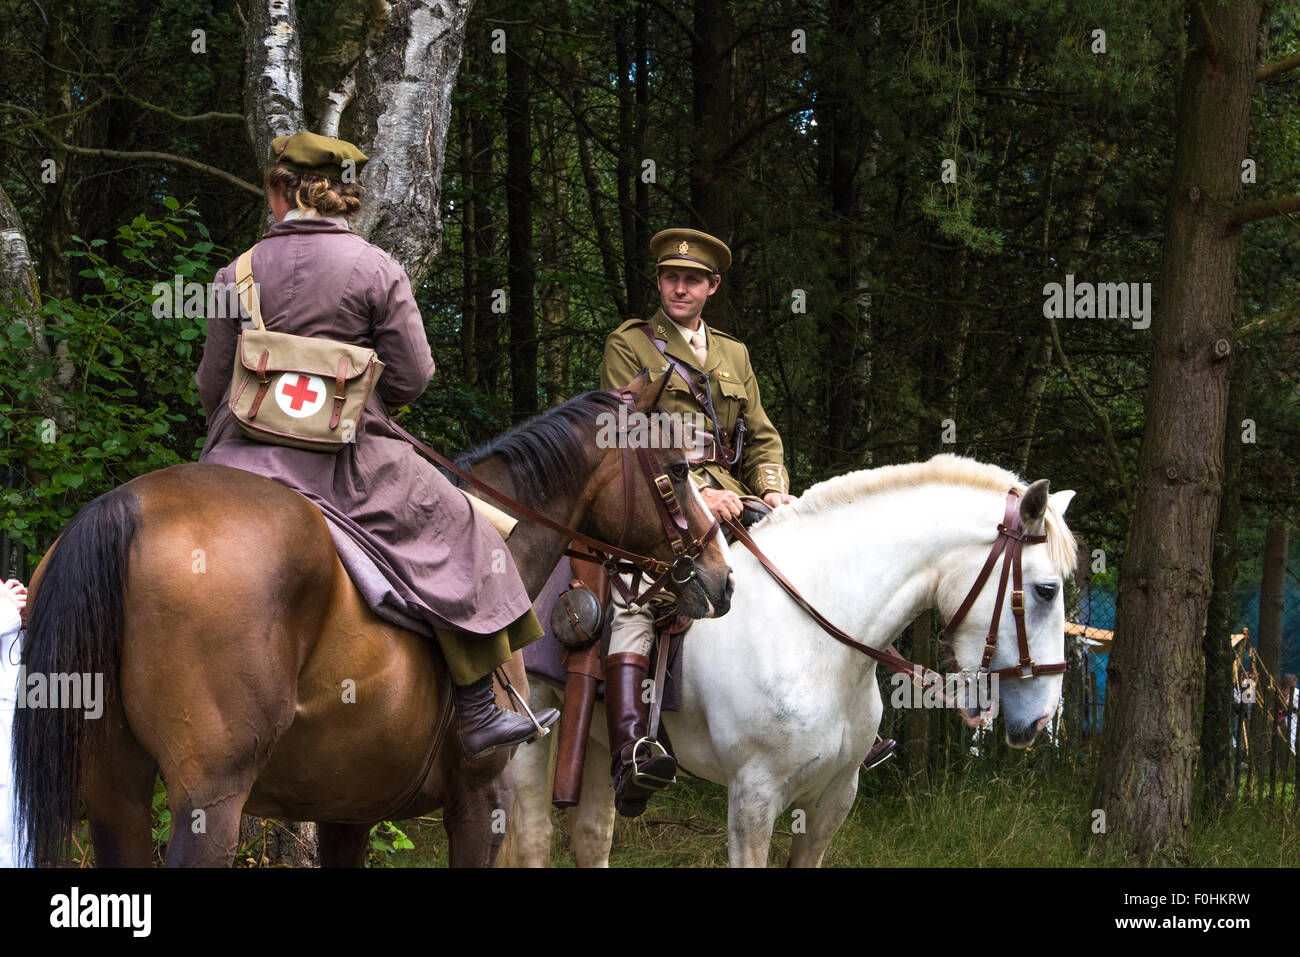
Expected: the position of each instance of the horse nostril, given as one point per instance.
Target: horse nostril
(1041, 723)
(731, 584)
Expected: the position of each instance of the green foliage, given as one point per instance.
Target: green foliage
(116, 396)
(386, 838)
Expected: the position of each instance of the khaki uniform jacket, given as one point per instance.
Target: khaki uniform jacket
(733, 388)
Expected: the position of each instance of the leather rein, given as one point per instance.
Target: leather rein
(1011, 540)
(686, 548)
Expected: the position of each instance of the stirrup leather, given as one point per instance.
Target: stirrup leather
(651, 781)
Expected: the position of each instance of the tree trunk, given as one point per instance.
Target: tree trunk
(403, 110)
(468, 247)
(60, 101)
(1157, 667)
(711, 184)
(272, 74)
(522, 273)
(481, 225)
(1218, 718)
(1270, 599)
(277, 843)
(628, 176)
(595, 200)
(918, 719)
(19, 291)
(836, 79)
(555, 237)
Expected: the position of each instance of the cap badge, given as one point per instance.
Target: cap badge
(684, 248)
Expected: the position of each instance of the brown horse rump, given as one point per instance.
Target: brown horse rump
(544, 658)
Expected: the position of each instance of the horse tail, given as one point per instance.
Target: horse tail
(76, 625)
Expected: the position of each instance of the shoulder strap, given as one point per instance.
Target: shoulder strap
(702, 398)
(247, 287)
(699, 390)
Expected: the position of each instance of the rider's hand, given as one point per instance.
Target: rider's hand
(773, 499)
(722, 503)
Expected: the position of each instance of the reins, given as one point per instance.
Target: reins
(1011, 540)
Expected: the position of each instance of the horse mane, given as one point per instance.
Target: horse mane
(540, 452)
(942, 469)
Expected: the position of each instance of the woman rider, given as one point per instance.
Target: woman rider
(317, 278)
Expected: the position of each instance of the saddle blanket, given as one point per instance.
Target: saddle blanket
(544, 658)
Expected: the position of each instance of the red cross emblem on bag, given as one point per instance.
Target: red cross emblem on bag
(300, 395)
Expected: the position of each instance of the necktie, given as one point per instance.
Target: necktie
(701, 353)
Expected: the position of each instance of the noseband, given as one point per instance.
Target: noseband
(1011, 540)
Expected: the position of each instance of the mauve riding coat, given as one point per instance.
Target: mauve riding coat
(316, 278)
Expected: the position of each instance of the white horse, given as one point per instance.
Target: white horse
(781, 713)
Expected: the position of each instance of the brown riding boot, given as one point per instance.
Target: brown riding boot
(483, 727)
(638, 767)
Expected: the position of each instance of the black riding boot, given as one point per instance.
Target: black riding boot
(483, 727)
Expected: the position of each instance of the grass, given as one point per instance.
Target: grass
(1029, 810)
(1034, 812)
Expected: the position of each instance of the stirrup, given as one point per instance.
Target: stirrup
(877, 757)
(539, 731)
(652, 782)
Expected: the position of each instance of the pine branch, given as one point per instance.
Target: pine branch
(1275, 69)
(1283, 317)
(1264, 209)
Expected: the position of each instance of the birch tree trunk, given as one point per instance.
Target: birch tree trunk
(1156, 671)
(19, 291)
(403, 110)
(272, 74)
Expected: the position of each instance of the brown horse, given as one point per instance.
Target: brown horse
(262, 683)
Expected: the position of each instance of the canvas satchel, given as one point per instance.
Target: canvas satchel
(299, 391)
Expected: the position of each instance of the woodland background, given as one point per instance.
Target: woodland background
(810, 136)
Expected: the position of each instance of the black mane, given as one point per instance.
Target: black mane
(541, 451)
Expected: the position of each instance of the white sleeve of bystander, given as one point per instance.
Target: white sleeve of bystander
(10, 624)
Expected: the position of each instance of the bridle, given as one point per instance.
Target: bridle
(1011, 540)
(617, 559)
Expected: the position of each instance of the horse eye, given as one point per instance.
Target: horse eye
(679, 471)
(1046, 592)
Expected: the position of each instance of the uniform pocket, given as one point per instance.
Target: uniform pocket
(732, 389)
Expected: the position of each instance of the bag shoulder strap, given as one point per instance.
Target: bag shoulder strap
(247, 287)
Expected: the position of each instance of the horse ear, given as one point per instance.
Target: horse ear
(650, 396)
(1033, 505)
(1061, 500)
(638, 384)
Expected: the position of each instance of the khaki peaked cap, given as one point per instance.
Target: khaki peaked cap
(312, 153)
(690, 248)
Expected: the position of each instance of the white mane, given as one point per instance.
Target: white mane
(942, 469)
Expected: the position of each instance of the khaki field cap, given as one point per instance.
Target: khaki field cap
(690, 248)
(311, 153)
